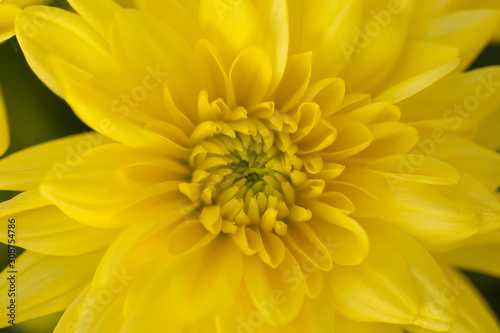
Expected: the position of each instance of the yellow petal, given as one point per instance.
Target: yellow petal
(68, 27)
(472, 195)
(428, 8)
(26, 169)
(417, 168)
(274, 22)
(262, 281)
(379, 289)
(295, 81)
(145, 45)
(308, 117)
(149, 297)
(98, 309)
(474, 314)
(343, 237)
(311, 275)
(420, 65)
(326, 27)
(317, 315)
(162, 316)
(187, 237)
(389, 139)
(352, 138)
(481, 163)
(327, 93)
(460, 5)
(99, 16)
(456, 98)
(307, 242)
(359, 187)
(428, 276)
(69, 319)
(369, 114)
(214, 78)
(422, 211)
(451, 29)
(95, 189)
(8, 13)
(345, 325)
(177, 14)
(46, 284)
(231, 26)
(381, 37)
(273, 250)
(124, 251)
(388, 285)
(478, 254)
(248, 240)
(242, 314)
(4, 126)
(43, 228)
(103, 306)
(320, 137)
(203, 287)
(93, 107)
(250, 76)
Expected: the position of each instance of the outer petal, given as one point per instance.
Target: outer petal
(4, 126)
(100, 310)
(275, 29)
(474, 314)
(428, 170)
(483, 4)
(345, 325)
(150, 297)
(317, 315)
(68, 27)
(98, 15)
(142, 43)
(426, 214)
(103, 306)
(230, 25)
(68, 321)
(477, 254)
(451, 29)
(105, 112)
(264, 283)
(8, 13)
(428, 8)
(392, 286)
(483, 164)
(178, 14)
(457, 99)
(382, 35)
(205, 282)
(47, 284)
(474, 196)
(43, 228)
(26, 169)
(250, 76)
(326, 28)
(421, 65)
(97, 188)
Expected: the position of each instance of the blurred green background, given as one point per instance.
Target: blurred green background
(36, 115)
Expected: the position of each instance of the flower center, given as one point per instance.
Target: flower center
(241, 177)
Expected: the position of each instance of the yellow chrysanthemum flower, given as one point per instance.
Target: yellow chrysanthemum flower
(9, 9)
(259, 166)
